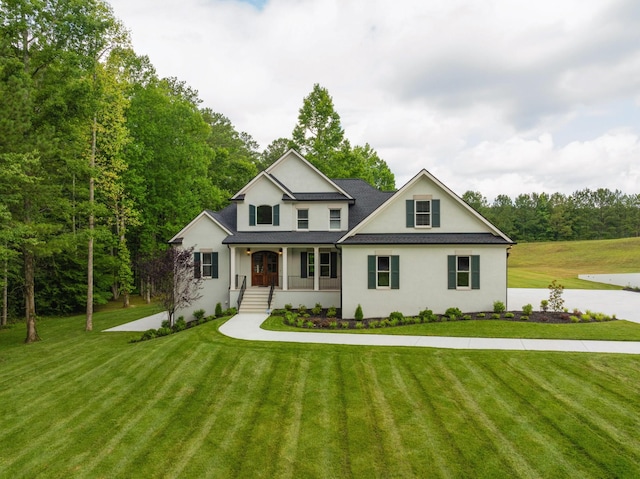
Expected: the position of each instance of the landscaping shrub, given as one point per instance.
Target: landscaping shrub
(163, 332)
(359, 315)
(165, 323)
(524, 317)
(333, 324)
(427, 316)
(288, 307)
(344, 324)
(181, 325)
(300, 323)
(453, 313)
(396, 315)
(148, 334)
(466, 317)
(317, 309)
(509, 315)
(544, 305)
(198, 314)
(385, 323)
(230, 312)
(302, 309)
(309, 324)
(495, 316)
(359, 325)
(499, 307)
(574, 319)
(218, 312)
(555, 296)
(527, 309)
(331, 312)
(481, 315)
(374, 324)
(393, 322)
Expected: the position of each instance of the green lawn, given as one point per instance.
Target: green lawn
(198, 404)
(611, 330)
(535, 265)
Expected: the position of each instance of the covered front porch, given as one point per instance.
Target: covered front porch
(286, 267)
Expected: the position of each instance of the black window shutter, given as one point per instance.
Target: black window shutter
(435, 213)
(451, 268)
(410, 216)
(334, 264)
(196, 265)
(214, 265)
(252, 215)
(395, 272)
(475, 272)
(303, 264)
(276, 215)
(371, 272)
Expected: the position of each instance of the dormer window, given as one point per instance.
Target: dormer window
(264, 215)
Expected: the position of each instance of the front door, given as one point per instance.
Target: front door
(264, 268)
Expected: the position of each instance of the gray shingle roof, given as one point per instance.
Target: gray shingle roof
(426, 238)
(367, 198)
(227, 216)
(284, 237)
(317, 197)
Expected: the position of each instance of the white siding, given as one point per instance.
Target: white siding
(204, 234)
(299, 176)
(454, 217)
(423, 281)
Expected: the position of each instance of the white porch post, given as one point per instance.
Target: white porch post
(316, 268)
(285, 269)
(232, 267)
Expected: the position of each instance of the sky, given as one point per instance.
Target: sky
(495, 96)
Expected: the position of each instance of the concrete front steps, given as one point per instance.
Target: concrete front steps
(255, 300)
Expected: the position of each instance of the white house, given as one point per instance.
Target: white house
(294, 236)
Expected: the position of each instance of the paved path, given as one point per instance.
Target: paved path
(624, 304)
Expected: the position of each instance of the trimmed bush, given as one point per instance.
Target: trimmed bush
(302, 309)
(359, 315)
(317, 309)
(288, 307)
(544, 305)
(495, 316)
(198, 314)
(396, 315)
(509, 315)
(181, 325)
(453, 313)
(218, 312)
(359, 325)
(499, 307)
(331, 312)
(527, 309)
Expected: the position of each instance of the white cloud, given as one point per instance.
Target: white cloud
(500, 96)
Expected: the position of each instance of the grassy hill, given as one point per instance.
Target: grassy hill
(535, 265)
(199, 404)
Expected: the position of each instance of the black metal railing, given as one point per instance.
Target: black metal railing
(242, 290)
(271, 288)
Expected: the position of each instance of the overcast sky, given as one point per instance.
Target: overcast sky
(498, 96)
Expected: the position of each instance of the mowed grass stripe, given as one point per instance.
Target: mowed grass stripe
(567, 430)
(292, 421)
(166, 432)
(594, 429)
(147, 411)
(366, 454)
(510, 410)
(383, 413)
(58, 417)
(502, 447)
(342, 416)
(319, 440)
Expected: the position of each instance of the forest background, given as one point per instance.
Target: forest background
(102, 161)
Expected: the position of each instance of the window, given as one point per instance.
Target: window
(334, 219)
(265, 215)
(325, 265)
(205, 264)
(423, 213)
(311, 265)
(384, 272)
(464, 272)
(303, 219)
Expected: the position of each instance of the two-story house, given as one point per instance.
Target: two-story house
(298, 237)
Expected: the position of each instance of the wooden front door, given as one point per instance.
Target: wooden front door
(264, 268)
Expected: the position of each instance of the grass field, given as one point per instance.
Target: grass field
(198, 404)
(535, 265)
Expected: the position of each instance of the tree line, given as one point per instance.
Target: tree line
(102, 161)
(583, 215)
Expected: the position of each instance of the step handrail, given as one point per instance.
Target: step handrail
(242, 290)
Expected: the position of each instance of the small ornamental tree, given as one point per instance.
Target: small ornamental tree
(176, 285)
(556, 302)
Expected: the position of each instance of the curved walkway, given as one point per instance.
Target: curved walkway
(623, 304)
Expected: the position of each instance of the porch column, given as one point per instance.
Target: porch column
(232, 267)
(285, 269)
(316, 268)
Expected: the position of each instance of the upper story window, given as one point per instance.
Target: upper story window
(303, 219)
(334, 219)
(423, 213)
(264, 215)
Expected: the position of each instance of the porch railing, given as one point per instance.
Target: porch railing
(242, 290)
(297, 282)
